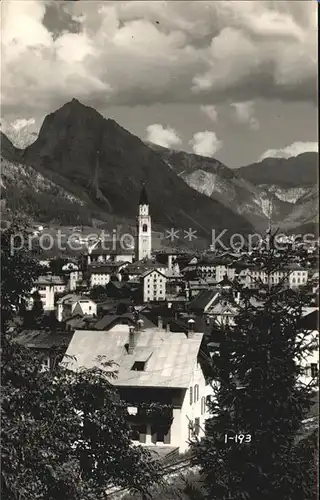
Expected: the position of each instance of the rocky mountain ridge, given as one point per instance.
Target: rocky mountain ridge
(81, 151)
(296, 171)
(97, 168)
(257, 203)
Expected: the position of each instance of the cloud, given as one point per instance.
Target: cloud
(130, 53)
(205, 143)
(210, 111)
(21, 123)
(166, 137)
(245, 114)
(294, 149)
(21, 131)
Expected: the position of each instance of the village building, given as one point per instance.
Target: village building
(154, 285)
(72, 305)
(160, 376)
(101, 275)
(48, 287)
(49, 346)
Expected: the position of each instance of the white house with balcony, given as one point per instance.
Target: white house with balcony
(155, 367)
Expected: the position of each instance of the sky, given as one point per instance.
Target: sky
(233, 80)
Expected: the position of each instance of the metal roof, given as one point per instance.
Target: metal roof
(172, 356)
(42, 339)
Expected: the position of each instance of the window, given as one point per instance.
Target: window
(190, 429)
(203, 405)
(314, 370)
(191, 393)
(196, 426)
(196, 393)
(138, 366)
(144, 228)
(138, 432)
(160, 434)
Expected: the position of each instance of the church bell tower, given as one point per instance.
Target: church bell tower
(144, 243)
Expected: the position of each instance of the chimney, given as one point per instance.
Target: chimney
(160, 322)
(132, 339)
(191, 324)
(139, 325)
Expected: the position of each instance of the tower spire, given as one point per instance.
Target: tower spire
(144, 234)
(143, 200)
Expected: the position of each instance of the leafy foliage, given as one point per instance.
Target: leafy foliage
(260, 393)
(98, 292)
(179, 487)
(19, 269)
(37, 308)
(64, 433)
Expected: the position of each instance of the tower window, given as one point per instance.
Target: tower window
(144, 228)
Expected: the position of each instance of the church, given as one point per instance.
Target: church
(100, 254)
(144, 234)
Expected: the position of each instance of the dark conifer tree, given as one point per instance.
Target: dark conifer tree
(37, 308)
(260, 393)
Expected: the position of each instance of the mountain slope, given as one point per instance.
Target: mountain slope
(211, 177)
(109, 164)
(297, 171)
(8, 150)
(27, 191)
(304, 213)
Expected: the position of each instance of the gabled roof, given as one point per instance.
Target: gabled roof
(202, 300)
(171, 364)
(310, 321)
(41, 339)
(69, 298)
(109, 320)
(106, 268)
(110, 247)
(146, 273)
(141, 267)
(50, 280)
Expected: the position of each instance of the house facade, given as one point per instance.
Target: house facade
(47, 286)
(159, 376)
(101, 275)
(72, 304)
(154, 286)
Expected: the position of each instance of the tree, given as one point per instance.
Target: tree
(56, 265)
(64, 434)
(98, 292)
(37, 308)
(260, 394)
(19, 270)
